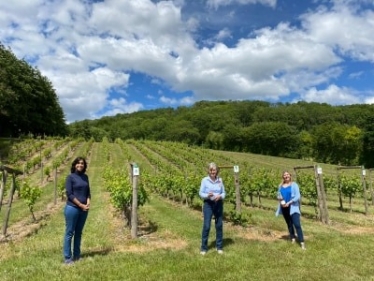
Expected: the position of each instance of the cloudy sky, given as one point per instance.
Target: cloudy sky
(121, 56)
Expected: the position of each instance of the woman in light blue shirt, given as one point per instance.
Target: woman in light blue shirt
(289, 207)
(212, 191)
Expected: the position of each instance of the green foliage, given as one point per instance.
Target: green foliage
(120, 187)
(350, 186)
(308, 189)
(30, 194)
(47, 171)
(314, 131)
(237, 218)
(28, 101)
(61, 191)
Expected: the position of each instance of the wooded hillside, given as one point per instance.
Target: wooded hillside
(322, 132)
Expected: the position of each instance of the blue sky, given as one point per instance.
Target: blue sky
(122, 56)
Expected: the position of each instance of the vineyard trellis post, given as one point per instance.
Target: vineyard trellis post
(321, 193)
(14, 173)
(55, 186)
(2, 187)
(41, 161)
(134, 208)
(235, 168)
(371, 187)
(363, 182)
(363, 179)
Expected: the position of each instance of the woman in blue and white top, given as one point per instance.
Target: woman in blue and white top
(212, 191)
(289, 207)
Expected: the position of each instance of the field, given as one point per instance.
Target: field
(167, 247)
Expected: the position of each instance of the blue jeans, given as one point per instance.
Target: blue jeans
(75, 219)
(211, 208)
(293, 222)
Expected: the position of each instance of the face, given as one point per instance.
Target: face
(212, 172)
(79, 166)
(286, 176)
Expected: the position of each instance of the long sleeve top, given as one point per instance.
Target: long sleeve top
(215, 186)
(77, 186)
(295, 200)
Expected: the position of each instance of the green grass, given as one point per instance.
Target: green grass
(170, 250)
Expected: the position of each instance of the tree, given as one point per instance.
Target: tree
(28, 102)
(367, 154)
(214, 140)
(272, 138)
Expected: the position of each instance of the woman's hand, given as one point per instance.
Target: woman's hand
(85, 207)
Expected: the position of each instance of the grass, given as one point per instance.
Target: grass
(168, 248)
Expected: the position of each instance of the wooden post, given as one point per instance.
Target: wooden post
(371, 188)
(324, 214)
(134, 209)
(6, 221)
(339, 189)
(41, 173)
(2, 188)
(237, 186)
(319, 196)
(238, 201)
(55, 186)
(363, 174)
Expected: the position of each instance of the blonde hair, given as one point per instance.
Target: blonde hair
(213, 165)
(282, 182)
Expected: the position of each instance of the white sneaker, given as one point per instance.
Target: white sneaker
(302, 246)
(293, 240)
(203, 253)
(220, 252)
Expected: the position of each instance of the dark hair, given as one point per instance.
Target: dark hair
(75, 162)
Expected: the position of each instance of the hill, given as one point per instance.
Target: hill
(324, 133)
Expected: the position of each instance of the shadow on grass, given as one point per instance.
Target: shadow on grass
(285, 237)
(226, 242)
(101, 252)
(147, 229)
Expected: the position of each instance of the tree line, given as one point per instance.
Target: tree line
(28, 101)
(317, 131)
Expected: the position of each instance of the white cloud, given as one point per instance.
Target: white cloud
(89, 49)
(217, 3)
(223, 34)
(83, 94)
(345, 28)
(122, 106)
(174, 101)
(332, 95)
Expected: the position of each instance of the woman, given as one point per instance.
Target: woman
(76, 210)
(289, 206)
(212, 191)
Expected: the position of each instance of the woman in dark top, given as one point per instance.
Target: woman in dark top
(76, 210)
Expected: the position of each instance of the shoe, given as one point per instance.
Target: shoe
(293, 240)
(302, 246)
(68, 262)
(220, 252)
(203, 253)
